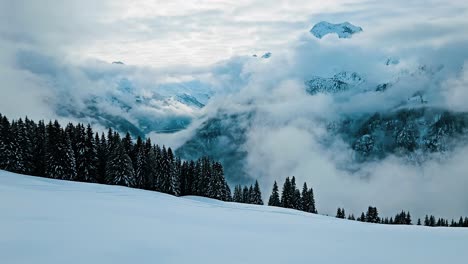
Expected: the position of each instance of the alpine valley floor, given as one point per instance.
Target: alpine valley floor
(51, 221)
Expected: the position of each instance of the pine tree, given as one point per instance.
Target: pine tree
(18, 154)
(197, 178)
(257, 194)
(408, 219)
(102, 155)
(174, 169)
(140, 166)
(165, 171)
(305, 198)
(216, 185)
(432, 221)
(190, 179)
(274, 197)
(237, 196)
(286, 194)
(119, 169)
(59, 154)
(228, 193)
(80, 151)
(151, 167)
(245, 195)
(312, 208)
(28, 145)
(127, 145)
(6, 144)
(159, 170)
(90, 156)
(362, 218)
(297, 201)
(340, 213)
(251, 194)
(39, 150)
(372, 215)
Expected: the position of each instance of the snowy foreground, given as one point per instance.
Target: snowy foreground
(50, 221)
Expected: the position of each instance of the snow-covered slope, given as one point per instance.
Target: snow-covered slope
(343, 30)
(50, 221)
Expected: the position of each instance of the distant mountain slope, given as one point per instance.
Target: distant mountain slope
(222, 138)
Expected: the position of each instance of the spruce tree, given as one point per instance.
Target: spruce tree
(338, 213)
(286, 194)
(362, 218)
(19, 153)
(151, 166)
(174, 169)
(372, 215)
(251, 195)
(257, 194)
(6, 144)
(245, 195)
(305, 198)
(59, 154)
(165, 171)
(119, 169)
(190, 178)
(79, 135)
(39, 150)
(102, 156)
(237, 196)
(313, 208)
(140, 166)
(216, 185)
(274, 197)
(90, 172)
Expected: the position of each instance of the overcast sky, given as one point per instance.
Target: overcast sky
(162, 33)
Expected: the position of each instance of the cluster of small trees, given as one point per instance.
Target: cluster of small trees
(249, 195)
(402, 218)
(76, 153)
(372, 216)
(431, 221)
(291, 197)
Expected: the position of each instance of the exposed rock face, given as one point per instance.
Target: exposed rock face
(343, 30)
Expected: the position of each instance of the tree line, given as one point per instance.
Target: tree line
(402, 218)
(76, 153)
(292, 198)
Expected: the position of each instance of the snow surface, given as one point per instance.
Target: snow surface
(343, 30)
(51, 221)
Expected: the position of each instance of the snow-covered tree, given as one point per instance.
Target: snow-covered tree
(119, 169)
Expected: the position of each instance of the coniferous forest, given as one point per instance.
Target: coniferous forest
(76, 153)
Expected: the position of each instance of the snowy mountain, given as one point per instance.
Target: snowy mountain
(61, 221)
(340, 82)
(343, 30)
(165, 109)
